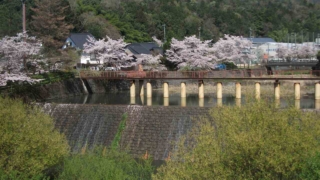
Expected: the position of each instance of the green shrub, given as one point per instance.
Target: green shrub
(14, 175)
(256, 141)
(105, 164)
(28, 144)
(312, 169)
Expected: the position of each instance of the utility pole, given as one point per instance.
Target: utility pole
(164, 33)
(23, 16)
(288, 40)
(313, 40)
(295, 40)
(199, 29)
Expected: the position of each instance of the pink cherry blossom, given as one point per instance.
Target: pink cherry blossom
(14, 52)
(108, 51)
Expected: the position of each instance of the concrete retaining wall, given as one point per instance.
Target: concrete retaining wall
(153, 129)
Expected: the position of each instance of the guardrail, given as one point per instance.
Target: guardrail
(225, 74)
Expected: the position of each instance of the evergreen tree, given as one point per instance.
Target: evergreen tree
(49, 23)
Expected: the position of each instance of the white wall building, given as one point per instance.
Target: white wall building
(77, 40)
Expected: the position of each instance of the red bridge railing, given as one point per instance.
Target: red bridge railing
(225, 74)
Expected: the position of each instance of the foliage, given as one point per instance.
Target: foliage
(105, 164)
(14, 175)
(29, 144)
(305, 51)
(255, 141)
(318, 55)
(230, 65)
(98, 26)
(232, 48)
(117, 138)
(48, 23)
(16, 50)
(69, 58)
(312, 169)
(108, 51)
(191, 52)
(139, 20)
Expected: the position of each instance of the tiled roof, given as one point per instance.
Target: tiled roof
(261, 40)
(79, 39)
(143, 48)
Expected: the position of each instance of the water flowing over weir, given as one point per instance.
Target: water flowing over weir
(148, 128)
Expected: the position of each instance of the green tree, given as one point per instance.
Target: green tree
(29, 143)
(255, 141)
(48, 23)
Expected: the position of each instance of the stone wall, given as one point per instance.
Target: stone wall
(70, 87)
(153, 129)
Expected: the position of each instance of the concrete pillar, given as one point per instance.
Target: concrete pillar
(238, 90)
(219, 102)
(297, 103)
(219, 90)
(257, 93)
(317, 104)
(149, 101)
(183, 101)
(317, 91)
(149, 90)
(183, 90)
(142, 100)
(201, 102)
(238, 102)
(277, 90)
(297, 91)
(201, 89)
(165, 90)
(132, 100)
(132, 89)
(141, 88)
(165, 101)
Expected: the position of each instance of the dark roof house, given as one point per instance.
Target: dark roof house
(261, 40)
(77, 40)
(144, 48)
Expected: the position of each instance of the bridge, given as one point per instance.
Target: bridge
(247, 74)
(284, 65)
(137, 78)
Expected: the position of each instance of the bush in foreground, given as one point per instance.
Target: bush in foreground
(105, 164)
(256, 141)
(28, 144)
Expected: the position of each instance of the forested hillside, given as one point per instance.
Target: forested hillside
(139, 20)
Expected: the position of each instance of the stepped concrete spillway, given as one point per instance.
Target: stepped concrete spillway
(152, 129)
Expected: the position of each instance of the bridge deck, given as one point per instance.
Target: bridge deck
(225, 74)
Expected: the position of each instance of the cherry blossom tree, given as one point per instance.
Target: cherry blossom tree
(150, 62)
(302, 52)
(191, 53)
(108, 51)
(306, 51)
(14, 53)
(284, 52)
(232, 48)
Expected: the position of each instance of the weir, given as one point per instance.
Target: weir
(151, 129)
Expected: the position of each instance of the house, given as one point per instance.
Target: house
(261, 40)
(77, 40)
(263, 47)
(136, 49)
